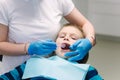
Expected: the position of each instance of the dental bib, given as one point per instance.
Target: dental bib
(54, 68)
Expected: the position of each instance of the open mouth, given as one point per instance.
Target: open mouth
(65, 46)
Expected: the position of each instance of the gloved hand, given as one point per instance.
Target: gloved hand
(79, 49)
(43, 47)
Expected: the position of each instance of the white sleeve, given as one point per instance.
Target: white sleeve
(3, 13)
(66, 6)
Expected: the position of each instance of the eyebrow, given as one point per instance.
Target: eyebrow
(71, 34)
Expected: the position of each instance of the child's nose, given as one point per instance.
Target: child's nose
(66, 38)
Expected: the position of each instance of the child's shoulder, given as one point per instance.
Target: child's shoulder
(92, 68)
(93, 74)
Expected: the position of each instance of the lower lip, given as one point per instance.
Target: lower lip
(65, 50)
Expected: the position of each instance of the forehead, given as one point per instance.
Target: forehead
(70, 29)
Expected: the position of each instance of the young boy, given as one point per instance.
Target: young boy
(68, 35)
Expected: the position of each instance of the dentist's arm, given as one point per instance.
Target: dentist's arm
(76, 17)
(7, 48)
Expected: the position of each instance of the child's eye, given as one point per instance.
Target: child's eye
(74, 37)
(61, 35)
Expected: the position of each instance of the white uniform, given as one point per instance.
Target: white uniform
(30, 20)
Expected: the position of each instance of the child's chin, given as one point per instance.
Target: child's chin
(62, 56)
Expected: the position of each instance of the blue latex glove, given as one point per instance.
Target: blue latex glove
(43, 47)
(79, 50)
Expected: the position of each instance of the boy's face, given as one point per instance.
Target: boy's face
(68, 35)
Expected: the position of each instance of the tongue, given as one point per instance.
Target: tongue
(65, 46)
